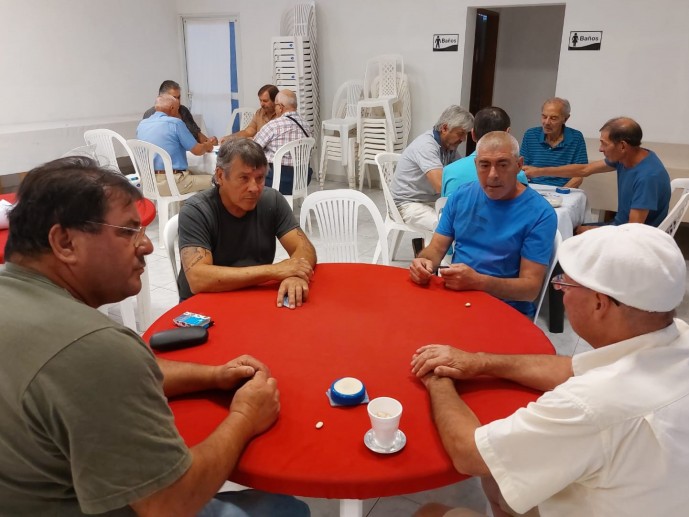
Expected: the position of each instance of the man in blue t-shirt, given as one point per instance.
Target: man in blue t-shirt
(554, 144)
(502, 230)
(463, 170)
(165, 129)
(643, 184)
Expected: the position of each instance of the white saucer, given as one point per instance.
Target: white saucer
(397, 445)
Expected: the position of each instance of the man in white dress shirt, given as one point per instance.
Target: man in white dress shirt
(609, 435)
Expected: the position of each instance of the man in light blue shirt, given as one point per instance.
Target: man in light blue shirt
(464, 170)
(165, 129)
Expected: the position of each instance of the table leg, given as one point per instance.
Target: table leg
(556, 309)
(351, 508)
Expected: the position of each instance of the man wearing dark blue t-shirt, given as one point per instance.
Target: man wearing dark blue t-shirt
(643, 184)
(502, 230)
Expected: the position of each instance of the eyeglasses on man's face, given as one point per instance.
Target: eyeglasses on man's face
(137, 234)
(559, 283)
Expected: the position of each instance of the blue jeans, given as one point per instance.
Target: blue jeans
(254, 503)
(286, 178)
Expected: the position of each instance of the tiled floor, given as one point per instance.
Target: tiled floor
(467, 493)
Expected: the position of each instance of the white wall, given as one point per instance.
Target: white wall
(73, 64)
(526, 64)
(98, 59)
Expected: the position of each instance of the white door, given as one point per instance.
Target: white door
(211, 63)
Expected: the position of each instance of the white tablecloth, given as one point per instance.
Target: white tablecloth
(573, 211)
(204, 164)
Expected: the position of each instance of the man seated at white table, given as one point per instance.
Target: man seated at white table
(418, 177)
(287, 127)
(609, 436)
(227, 233)
(165, 129)
(263, 115)
(643, 184)
(463, 170)
(553, 143)
(503, 231)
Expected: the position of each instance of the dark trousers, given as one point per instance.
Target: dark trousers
(286, 178)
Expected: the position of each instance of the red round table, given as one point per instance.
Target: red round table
(363, 321)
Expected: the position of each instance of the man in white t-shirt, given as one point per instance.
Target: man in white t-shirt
(609, 435)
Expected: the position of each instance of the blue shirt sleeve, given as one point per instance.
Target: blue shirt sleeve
(538, 243)
(186, 139)
(446, 223)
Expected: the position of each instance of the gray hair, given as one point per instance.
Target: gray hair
(248, 151)
(565, 108)
(455, 116)
(288, 98)
(498, 138)
(165, 102)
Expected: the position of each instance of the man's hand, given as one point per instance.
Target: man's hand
(296, 289)
(584, 228)
(531, 171)
(297, 267)
(213, 140)
(421, 271)
(444, 361)
(258, 401)
(460, 277)
(230, 375)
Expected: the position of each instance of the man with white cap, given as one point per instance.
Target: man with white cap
(609, 435)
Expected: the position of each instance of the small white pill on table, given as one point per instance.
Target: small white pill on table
(467, 304)
(319, 425)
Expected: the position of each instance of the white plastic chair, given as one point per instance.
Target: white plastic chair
(84, 150)
(674, 217)
(394, 224)
(337, 216)
(341, 145)
(105, 149)
(245, 115)
(144, 152)
(171, 235)
(546, 280)
(300, 150)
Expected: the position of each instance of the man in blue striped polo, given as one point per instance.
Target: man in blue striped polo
(554, 144)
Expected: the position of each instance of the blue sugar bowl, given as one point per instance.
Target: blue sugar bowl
(347, 391)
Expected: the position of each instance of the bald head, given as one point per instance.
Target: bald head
(288, 99)
(167, 104)
(623, 129)
(498, 139)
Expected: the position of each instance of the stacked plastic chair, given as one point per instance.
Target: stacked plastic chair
(338, 134)
(295, 60)
(384, 115)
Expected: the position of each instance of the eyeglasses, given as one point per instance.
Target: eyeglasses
(558, 283)
(137, 234)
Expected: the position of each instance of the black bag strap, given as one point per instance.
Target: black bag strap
(298, 124)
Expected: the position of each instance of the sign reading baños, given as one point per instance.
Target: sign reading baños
(445, 42)
(582, 40)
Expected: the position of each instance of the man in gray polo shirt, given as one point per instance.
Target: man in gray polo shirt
(418, 178)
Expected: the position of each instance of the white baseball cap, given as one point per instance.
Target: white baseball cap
(638, 265)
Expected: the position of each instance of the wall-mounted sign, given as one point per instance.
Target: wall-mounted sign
(583, 40)
(445, 42)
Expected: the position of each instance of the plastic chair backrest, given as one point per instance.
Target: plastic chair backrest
(300, 150)
(241, 115)
(337, 216)
(105, 150)
(171, 234)
(144, 153)
(387, 162)
(671, 223)
(84, 150)
(551, 268)
(346, 98)
(386, 66)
